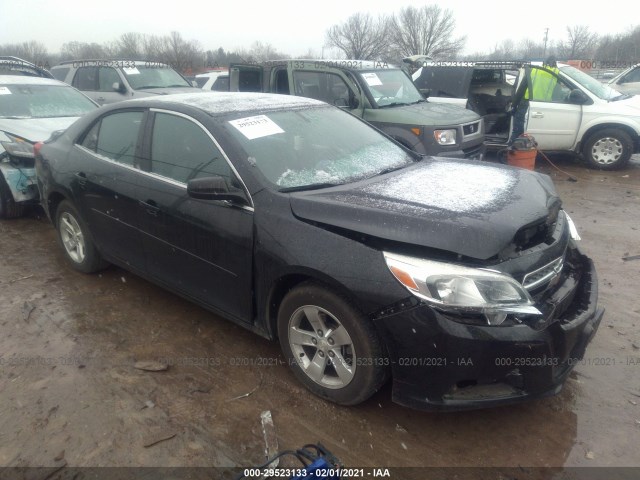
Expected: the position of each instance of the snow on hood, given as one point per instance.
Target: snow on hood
(35, 129)
(459, 206)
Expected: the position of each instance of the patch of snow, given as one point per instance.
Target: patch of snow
(453, 186)
(216, 103)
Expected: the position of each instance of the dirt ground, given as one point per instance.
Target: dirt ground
(70, 394)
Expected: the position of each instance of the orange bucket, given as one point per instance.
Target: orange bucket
(522, 158)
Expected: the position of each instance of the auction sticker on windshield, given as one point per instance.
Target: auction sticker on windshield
(5, 91)
(256, 127)
(131, 71)
(372, 79)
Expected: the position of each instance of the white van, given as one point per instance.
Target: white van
(584, 116)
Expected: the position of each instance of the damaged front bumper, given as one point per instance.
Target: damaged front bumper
(21, 182)
(439, 363)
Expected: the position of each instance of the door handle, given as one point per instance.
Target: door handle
(81, 178)
(151, 207)
(537, 115)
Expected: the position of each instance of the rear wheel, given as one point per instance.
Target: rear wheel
(8, 207)
(608, 149)
(333, 349)
(76, 240)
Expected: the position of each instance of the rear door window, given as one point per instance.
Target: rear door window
(86, 79)
(115, 137)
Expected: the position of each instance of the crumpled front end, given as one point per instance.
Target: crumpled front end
(442, 361)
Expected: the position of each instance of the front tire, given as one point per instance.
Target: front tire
(332, 348)
(608, 149)
(76, 241)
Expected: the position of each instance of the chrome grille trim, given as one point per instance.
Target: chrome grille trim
(544, 274)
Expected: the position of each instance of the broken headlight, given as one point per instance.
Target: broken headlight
(462, 289)
(17, 148)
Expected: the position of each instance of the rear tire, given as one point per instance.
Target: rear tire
(608, 149)
(76, 241)
(332, 348)
(8, 207)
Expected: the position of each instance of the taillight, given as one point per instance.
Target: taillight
(36, 148)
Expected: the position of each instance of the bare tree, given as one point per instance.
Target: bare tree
(361, 36)
(130, 46)
(528, 49)
(427, 30)
(32, 51)
(82, 50)
(580, 43)
(261, 52)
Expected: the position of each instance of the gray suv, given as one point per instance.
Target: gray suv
(110, 81)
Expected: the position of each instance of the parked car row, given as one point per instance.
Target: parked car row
(299, 221)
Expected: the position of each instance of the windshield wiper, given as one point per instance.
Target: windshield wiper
(394, 104)
(181, 85)
(313, 186)
(391, 169)
(622, 96)
(149, 86)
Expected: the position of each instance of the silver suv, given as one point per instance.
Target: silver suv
(110, 81)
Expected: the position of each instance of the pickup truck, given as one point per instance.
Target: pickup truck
(379, 93)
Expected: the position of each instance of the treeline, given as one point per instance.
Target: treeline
(580, 43)
(173, 49)
(428, 30)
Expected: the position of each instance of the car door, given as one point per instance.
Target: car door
(246, 78)
(554, 122)
(107, 77)
(328, 86)
(86, 80)
(202, 248)
(106, 167)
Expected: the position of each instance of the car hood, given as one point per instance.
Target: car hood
(424, 113)
(462, 207)
(35, 129)
(169, 91)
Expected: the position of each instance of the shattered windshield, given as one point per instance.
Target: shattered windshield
(314, 147)
(594, 86)
(140, 77)
(42, 101)
(390, 88)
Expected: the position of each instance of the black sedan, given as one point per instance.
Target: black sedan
(462, 281)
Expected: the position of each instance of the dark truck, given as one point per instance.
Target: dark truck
(381, 94)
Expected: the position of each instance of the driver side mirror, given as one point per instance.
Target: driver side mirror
(578, 97)
(215, 188)
(425, 92)
(118, 87)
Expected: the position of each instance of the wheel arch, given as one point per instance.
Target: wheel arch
(54, 199)
(290, 280)
(635, 137)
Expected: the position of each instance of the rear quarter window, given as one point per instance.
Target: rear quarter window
(60, 73)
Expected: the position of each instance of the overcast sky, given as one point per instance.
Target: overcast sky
(292, 27)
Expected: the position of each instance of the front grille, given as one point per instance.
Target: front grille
(533, 280)
(471, 128)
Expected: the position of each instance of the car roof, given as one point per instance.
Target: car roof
(217, 73)
(28, 80)
(109, 62)
(345, 64)
(221, 103)
(22, 67)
